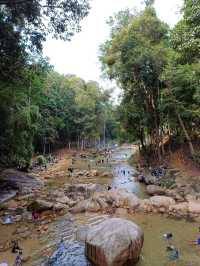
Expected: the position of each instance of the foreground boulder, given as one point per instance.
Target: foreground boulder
(114, 242)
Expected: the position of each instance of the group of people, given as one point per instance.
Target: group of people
(122, 171)
(174, 253)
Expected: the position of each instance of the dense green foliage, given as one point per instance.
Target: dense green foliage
(48, 110)
(158, 71)
(40, 109)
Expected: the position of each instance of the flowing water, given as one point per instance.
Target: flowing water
(154, 226)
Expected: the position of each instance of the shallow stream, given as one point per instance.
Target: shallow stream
(154, 251)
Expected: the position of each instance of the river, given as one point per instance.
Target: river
(154, 226)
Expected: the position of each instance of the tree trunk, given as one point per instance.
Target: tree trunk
(185, 133)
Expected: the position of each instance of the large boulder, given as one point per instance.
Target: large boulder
(126, 199)
(114, 242)
(20, 181)
(155, 190)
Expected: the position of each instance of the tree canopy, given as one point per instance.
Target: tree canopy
(158, 70)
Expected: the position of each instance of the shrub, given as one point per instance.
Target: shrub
(41, 160)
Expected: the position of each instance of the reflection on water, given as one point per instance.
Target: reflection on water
(123, 173)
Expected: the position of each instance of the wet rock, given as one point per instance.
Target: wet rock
(155, 190)
(20, 181)
(40, 206)
(7, 194)
(115, 241)
(70, 254)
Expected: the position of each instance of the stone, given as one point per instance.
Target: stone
(81, 233)
(162, 201)
(63, 200)
(40, 206)
(180, 207)
(77, 209)
(106, 174)
(120, 212)
(129, 200)
(92, 206)
(155, 190)
(69, 253)
(21, 181)
(115, 242)
(194, 206)
(94, 173)
(59, 207)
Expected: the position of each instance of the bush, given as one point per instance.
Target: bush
(41, 160)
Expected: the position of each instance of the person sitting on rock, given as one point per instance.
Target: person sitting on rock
(109, 187)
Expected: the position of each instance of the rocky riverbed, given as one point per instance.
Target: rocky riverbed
(64, 202)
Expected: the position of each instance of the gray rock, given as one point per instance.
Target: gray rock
(40, 206)
(155, 190)
(115, 242)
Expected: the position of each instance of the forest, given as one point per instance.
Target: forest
(41, 110)
(156, 67)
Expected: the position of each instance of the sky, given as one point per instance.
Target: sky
(80, 55)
